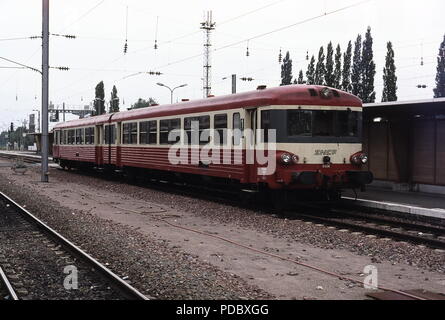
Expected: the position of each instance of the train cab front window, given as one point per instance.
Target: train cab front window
(321, 126)
(299, 123)
(348, 123)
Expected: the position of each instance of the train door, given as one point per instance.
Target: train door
(118, 143)
(98, 138)
(250, 144)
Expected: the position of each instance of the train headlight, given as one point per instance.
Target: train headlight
(295, 159)
(286, 158)
(359, 159)
(364, 158)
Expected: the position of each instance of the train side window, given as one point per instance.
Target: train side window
(188, 128)
(78, 136)
(164, 131)
(237, 129)
(82, 135)
(152, 132)
(221, 129)
(175, 125)
(71, 137)
(134, 133)
(143, 132)
(128, 133)
(204, 128)
(89, 135)
(148, 132)
(166, 126)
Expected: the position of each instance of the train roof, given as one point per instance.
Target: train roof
(285, 95)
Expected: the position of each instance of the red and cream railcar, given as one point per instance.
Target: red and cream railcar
(315, 131)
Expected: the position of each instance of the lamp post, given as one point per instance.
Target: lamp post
(171, 90)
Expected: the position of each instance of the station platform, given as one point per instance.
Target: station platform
(416, 203)
(27, 154)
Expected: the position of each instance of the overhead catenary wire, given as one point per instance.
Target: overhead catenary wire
(20, 64)
(239, 42)
(220, 23)
(301, 22)
(84, 15)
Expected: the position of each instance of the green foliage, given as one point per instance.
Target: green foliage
(142, 103)
(439, 91)
(114, 101)
(337, 70)
(300, 79)
(16, 138)
(367, 93)
(320, 69)
(329, 75)
(286, 70)
(389, 77)
(99, 101)
(310, 73)
(346, 73)
(356, 75)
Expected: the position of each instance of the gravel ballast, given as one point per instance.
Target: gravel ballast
(149, 265)
(296, 230)
(132, 212)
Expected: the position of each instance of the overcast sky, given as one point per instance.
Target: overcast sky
(416, 29)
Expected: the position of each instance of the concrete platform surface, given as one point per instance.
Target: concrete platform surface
(432, 205)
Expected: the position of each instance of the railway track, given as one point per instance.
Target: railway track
(6, 290)
(417, 233)
(377, 223)
(373, 222)
(32, 159)
(38, 263)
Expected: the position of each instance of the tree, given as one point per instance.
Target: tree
(368, 70)
(337, 70)
(389, 77)
(300, 79)
(320, 69)
(346, 73)
(99, 102)
(310, 73)
(356, 75)
(329, 75)
(439, 91)
(142, 103)
(114, 101)
(286, 70)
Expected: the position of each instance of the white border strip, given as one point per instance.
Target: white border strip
(391, 206)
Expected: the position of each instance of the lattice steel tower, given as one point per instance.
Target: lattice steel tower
(208, 26)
